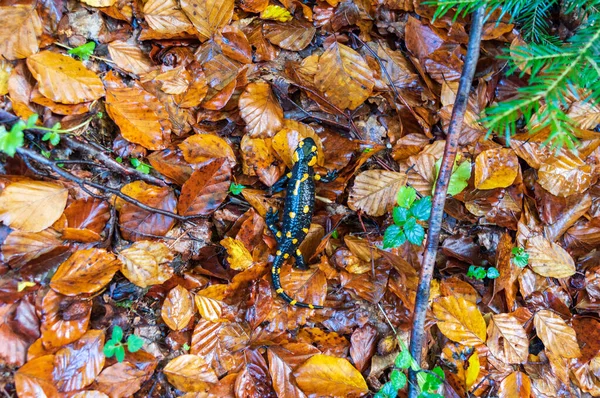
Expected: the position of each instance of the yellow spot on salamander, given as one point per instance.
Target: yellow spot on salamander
(286, 255)
(289, 175)
(305, 230)
(317, 177)
(304, 177)
(293, 302)
(313, 149)
(300, 144)
(312, 307)
(278, 271)
(288, 234)
(298, 252)
(306, 209)
(294, 241)
(313, 161)
(295, 157)
(279, 291)
(279, 234)
(292, 214)
(278, 252)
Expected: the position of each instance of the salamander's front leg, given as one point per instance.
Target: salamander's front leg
(300, 263)
(330, 176)
(272, 219)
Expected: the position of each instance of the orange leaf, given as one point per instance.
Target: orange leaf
(549, 259)
(238, 256)
(34, 379)
(86, 271)
(21, 247)
(64, 79)
(515, 385)
(374, 191)
(120, 380)
(129, 57)
(287, 139)
(344, 77)
(178, 308)
(86, 216)
(282, 362)
(77, 365)
(20, 31)
(259, 159)
(171, 164)
(197, 89)
(260, 110)
(32, 205)
(164, 16)
(507, 339)
(64, 319)
(460, 320)
(210, 303)
(201, 148)
(327, 375)
(295, 35)
(565, 175)
(496, 168)
(190, 373)
(206, 189)
(208, 16)
(556, 335)
(146, 263)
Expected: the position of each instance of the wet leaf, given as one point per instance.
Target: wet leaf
(287, 139)
(21, 247)
(515, 385)
(190, 373)
(64, 320)
(120, 380)
(129, 57)
(556, 334)
(86, 219)
(201, 148)
(146, 263)
(20, 31)
(293, 36)
(549, 259)
(460, 320)
(238, 256)
(178, 308)
(565, 175)
(327, 375)
(260, 110)
(164, 16)
(496, 168)
(77, 365)
(507, 339)
(34, 379)
(208, 16)
(206, 189)
(374, 191)
(210, 303)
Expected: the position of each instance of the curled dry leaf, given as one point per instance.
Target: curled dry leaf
(238, 256)
(556, 335)
(295, 35)
(374, 191)
(32, 206)
(496, 168)
(200, 148)
(178, 308)
(34, 379)
(129, 57)
(260, 110)
(507, 339)
(146, 263)
(208, 16)
(344, 77)
(549, 259)
(206, 189)
(86, 271)
(287, 139)
(77, 365)
(460, 320)
(327, 375)
(565, 175)
(190, 373)
(64, 79)
(515, 385)
(165, 16)
(20, 31)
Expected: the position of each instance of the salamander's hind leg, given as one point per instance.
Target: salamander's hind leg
(272, 219)
(330, 176)
(300, 263)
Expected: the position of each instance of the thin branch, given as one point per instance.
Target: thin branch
(439, 197)
(83, 183)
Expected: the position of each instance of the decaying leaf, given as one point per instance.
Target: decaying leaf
(146, 263)
(208, 16)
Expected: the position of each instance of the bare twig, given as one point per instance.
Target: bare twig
(439, 197)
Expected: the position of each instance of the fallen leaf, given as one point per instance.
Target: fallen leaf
(565, 175)
(129, 57)
(164, 16)
(77, 365)
(287, 139)
(146, 263)
(260, 110)
(178, 308)
(460, 320)
(64, 319)
(206, 189)
(515, 385)
(20, 31)
(293, 36)
(238, 256)
(210, 303)
(34, 379)
(549, 259)
(120, 380)
(86, 219)
(21, 247)
(208, 16)
(190, 373)
(374, 191)
(496, 168)
(32, 206)
(327, 375)
(507, 339)
(557, 336)
(200, 148)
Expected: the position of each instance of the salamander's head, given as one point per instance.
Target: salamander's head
(306, 152)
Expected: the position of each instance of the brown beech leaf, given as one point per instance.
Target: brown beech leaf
(549, 259)
(99, 3)
(507, 340)
(200, 148)
(496, 168)
(77, 365)
(64, 79)
(295, 35)
(287, 139)
(20, 88)
(565, 175)
(556, 335)
(178, 308)
(260, 110)
(20, 31)
(89, 394)
(515, 385)
(21, 247)
(374, 191)
(208, 16)
(309, 286)
(363, 345)
(238, 256)
(32, 206)
(129, 57)
(235, 45)
(64, 319)
(120, 380)
(86, 271)
(283, 360)
(171, 164)
(190, 373)
(146, 263)
(135, 222)
(460, 320)
(197, 89)
(165, 16)
(34, 379)
(86, 219)
(344, 77)
(255, 6)
(206, 189)
(259, 159)
(327, 375)
(209, 302)
(138, 115)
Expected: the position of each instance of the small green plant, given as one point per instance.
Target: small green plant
(185, 347)
(480, 273)
(406, 216)
(519, 257)
(115, 347)
(84, 51)
(140, 166)
(429, 381)
(236, 188)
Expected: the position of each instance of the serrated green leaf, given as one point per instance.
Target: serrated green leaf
(421, 208)
(134, 343)
(414, 232)
(400, 215)
(31, 121)
(120, 353)
(84, 51)
(406, 197)
(117, 334)
(403, 360)
(393, 237)
(398, 379)
(476, 272)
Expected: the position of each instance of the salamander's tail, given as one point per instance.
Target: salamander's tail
(275, 270)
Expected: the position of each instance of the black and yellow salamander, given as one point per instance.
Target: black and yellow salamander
(298, 212)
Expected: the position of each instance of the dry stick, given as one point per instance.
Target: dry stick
(82, 183)
(439, 197)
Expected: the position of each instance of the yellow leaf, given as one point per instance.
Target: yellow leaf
(565, 175)
(165, 16)
(208, 16)
(375, 191)
(129, 57)
(146, 263)
(260, 110)
(549, 259)
(99, 3)
(63, 79)
(515, 385)
(507, 339)
(556, 335)
(200, 148)
(496, 168)
(472, 370)
(190, 373)
(32, 206)
(20, 31)
(209, 302)
(238, 256)
(325, 375)
(460, 320)
(276, 13)
(5, 70)
(287, 139)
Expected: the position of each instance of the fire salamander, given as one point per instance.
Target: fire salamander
(298, 211)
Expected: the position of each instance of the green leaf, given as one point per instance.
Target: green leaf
(414, 232)
(389, 390)
(335, 234)
(403, 360)
(393, 237)
(11, 141)
(476, 272)
(83, 51)
(398, 379)
(459, 178)
(119, 159)
(117, 334)
(380, 394)
(427, 394)
(52, 136)
(406, 196)
(120, 353)
(421, 208)
(109, 349)
(519, 257)
(432, 382)
(236, 188)
(140, 166)
(492, 273)
(438, 371)
(31, 121)
(185, 347)
(400, 215)
(134, 343)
